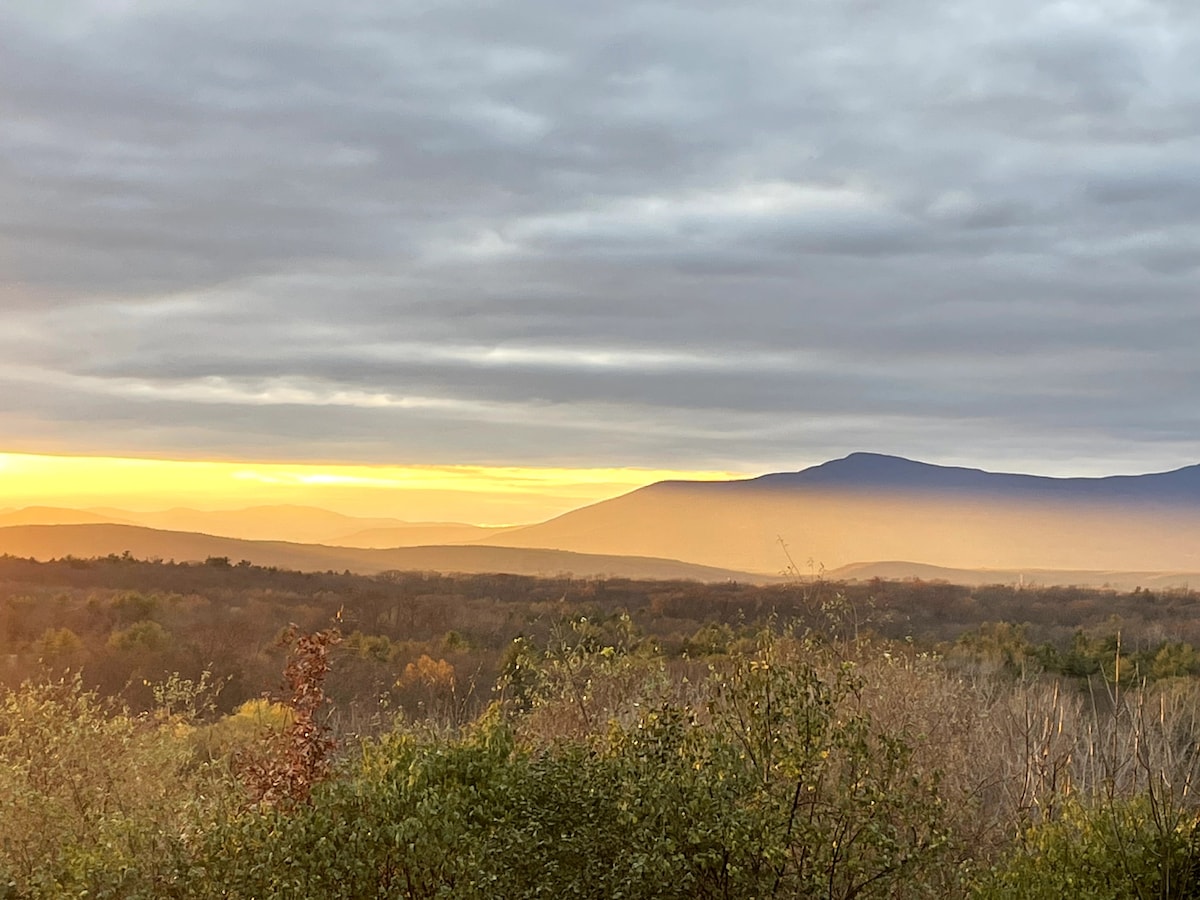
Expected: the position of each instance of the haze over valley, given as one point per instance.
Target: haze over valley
(862, 516)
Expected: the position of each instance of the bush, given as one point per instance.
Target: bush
(781, 768)
(1110, 851)
(780, 786)
(92, 798)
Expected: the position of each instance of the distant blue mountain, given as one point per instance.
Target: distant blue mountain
(879, 472)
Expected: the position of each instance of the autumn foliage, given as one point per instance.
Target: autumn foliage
(599, 744)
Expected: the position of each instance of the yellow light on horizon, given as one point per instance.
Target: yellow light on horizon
(494, 494)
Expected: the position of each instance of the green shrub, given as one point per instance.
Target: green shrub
(91, 798)
(1106, 851)
(781, 786)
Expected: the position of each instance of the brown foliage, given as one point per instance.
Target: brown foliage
(283, 771)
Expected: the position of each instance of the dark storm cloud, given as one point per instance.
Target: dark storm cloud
(751, 235)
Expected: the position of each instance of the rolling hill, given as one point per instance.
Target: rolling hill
(56, 515)
(302, 524)
(417, 534)
(296, 524)
(87, 541)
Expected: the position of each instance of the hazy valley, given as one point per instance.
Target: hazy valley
(863, 516)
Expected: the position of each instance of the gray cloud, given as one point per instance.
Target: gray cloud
(750, 235)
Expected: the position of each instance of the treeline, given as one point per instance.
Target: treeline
(433, 644)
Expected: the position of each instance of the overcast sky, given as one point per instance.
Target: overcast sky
(743, 235)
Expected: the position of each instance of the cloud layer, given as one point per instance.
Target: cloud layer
(746, 236)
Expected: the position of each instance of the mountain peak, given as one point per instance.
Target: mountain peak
(880, 470)
(864, 471)
(862, 460)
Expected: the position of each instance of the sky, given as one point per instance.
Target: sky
(559, 237)
(483, 495)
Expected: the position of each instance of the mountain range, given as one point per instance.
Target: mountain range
(297, 524)
(848, 515)
(870, 507)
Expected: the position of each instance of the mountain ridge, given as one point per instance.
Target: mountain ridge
(874, 506)
(865, 506)
(868, 470)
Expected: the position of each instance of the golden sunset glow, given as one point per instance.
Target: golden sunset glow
(478, 494)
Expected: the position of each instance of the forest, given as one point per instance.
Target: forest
(222, 729)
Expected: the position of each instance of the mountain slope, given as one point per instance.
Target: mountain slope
(56, 515)
(872, 507)
(418, 534)
(303, 524)
(298, 524)
(86, 541)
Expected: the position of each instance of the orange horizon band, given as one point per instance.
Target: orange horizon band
(414, 491)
